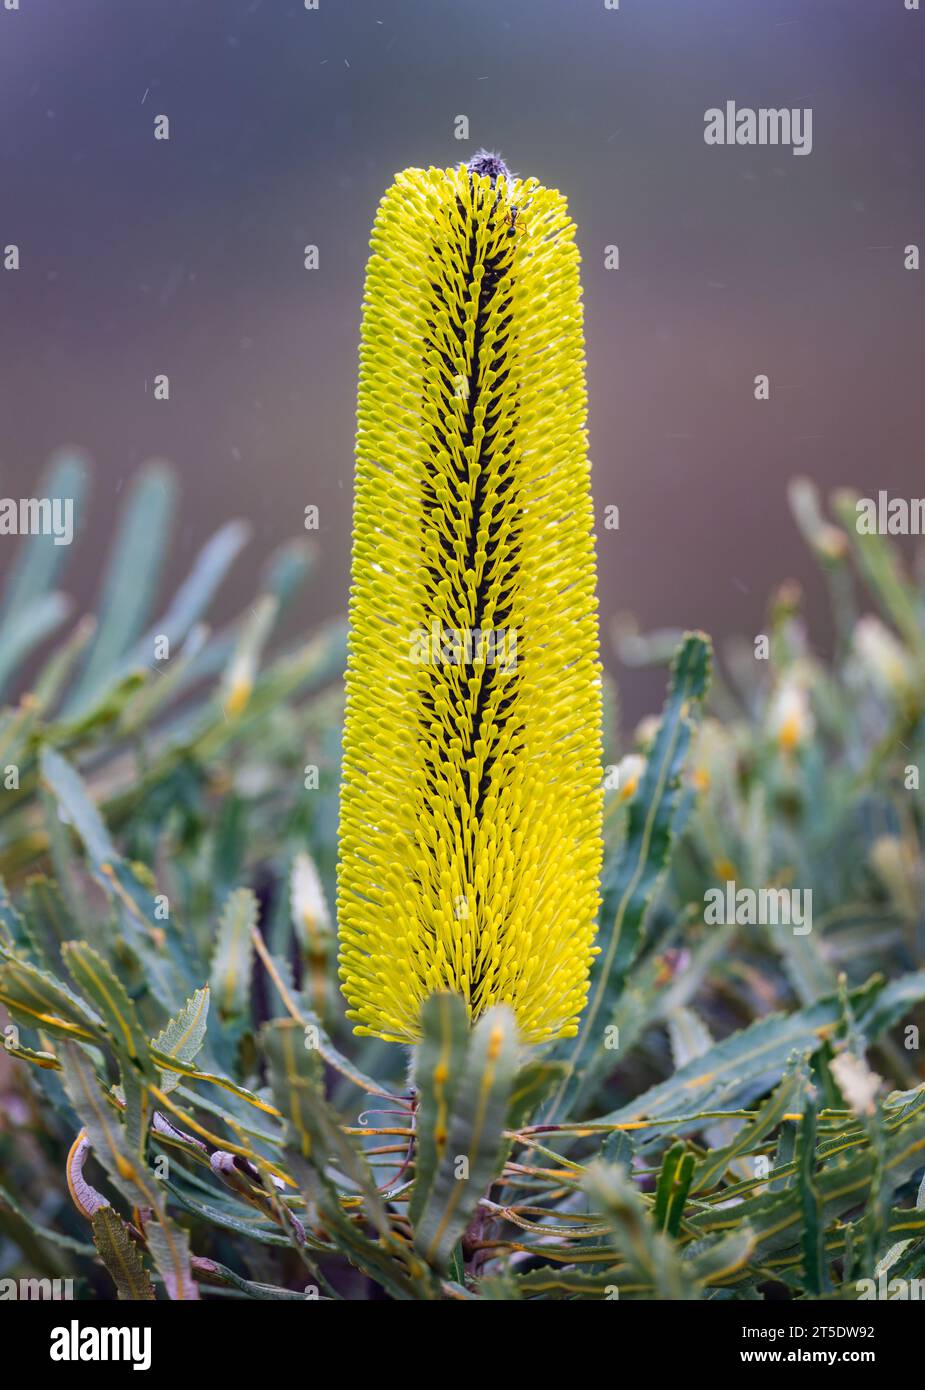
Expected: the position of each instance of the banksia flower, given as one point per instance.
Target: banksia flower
(470, 834)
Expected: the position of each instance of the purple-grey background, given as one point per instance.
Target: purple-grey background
(185, 257)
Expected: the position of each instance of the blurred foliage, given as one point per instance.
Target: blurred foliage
(183, 1112)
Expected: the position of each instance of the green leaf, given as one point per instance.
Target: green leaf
(640, 865)
(183, 1036)
(649, 1254)
(741, 1067)
(674, 1182)
(38, 560)
(95, 978)
(475, 1147)
(880, 564)
(14, 934)
(169, 1246)
(27, 1221)
(230, 977)
(787, 1098)
(815, 1270)
(26, 627)
(167, 966)
(194, 595)
(317, 1148)
(37, 999)
(127, 1172)
(241, 673)
(841, 1185)
(121, 1256)
(438, 1070)
(718, 1258)
(131, 581)
(29, 609)
(298, 1089)
(97, 1113)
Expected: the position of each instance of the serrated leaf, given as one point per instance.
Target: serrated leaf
(777, 1217)
(38, 999)
(94, 976)
(742, 1067)
(788, 1097)
(121, 1256)
(815, 1270)
(183, 1036)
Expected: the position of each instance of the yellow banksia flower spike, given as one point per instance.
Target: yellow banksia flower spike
(471, 801)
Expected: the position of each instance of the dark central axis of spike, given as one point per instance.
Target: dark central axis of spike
(503, 470)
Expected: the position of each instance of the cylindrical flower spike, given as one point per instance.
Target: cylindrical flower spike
(471, 803)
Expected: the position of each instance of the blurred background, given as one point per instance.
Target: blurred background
(185, 257)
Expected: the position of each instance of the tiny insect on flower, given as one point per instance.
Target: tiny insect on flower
(471, 805)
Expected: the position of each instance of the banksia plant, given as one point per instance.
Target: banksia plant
(471, 801)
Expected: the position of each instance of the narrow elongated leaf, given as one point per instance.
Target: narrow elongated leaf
(241, 673)
(234, 952)
(788, 1097)
(880, 564)
(167, 966)
(674, 1182)
(14, 933)
(39, 1000)
(475, 1146)
(39, 559)
(777, 1216)
(194, 595)
(811, 1205)
(131, 581)
(631, 884)
(298, 1088)
(741, 1067)
(649, 1254)
(317, 1146)
(25, 628)
(127, 1172)
(95, 978)
(169, 1246)
(438, 1071)
(716, 1259)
